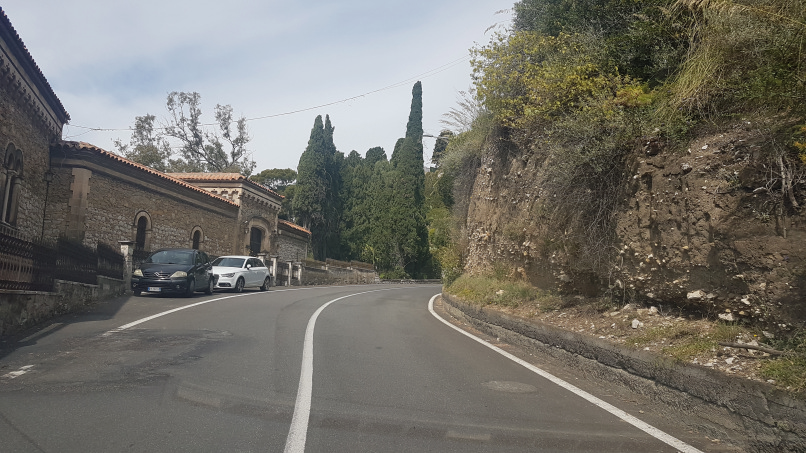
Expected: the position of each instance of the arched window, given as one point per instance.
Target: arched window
(142, 236)
(12, 181)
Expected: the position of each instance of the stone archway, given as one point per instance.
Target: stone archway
(142, 235)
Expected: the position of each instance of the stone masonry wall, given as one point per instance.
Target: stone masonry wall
(259, 215)
(291, 247)
(18, 126)
(112, 205)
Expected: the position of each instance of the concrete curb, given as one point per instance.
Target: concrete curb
(752, 415)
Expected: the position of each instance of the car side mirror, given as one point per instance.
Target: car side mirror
(249, 266)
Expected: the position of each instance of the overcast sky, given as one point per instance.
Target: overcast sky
(109, 61)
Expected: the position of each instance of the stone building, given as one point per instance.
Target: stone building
(31, 119)
(257, 217)
(98, 196)
(51, 188)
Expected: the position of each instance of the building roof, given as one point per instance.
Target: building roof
(10, 36)
(215, 177)
(83, 146)
(293, 226)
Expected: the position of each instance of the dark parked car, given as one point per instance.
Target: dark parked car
(174, 271)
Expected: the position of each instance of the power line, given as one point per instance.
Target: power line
(425, 74)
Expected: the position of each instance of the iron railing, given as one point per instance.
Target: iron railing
(33, 266)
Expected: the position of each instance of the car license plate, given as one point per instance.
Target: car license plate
(154, 289)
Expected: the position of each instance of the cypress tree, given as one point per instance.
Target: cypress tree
(406, 194)
(309, 194)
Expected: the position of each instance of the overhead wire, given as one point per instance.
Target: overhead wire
(425, 74)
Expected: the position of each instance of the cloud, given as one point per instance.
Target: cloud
(111, 61)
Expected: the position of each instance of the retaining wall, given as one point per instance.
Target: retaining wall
(22, 309)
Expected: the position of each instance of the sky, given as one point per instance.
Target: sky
(355, 60)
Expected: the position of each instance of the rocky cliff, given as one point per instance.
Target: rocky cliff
(710, 228)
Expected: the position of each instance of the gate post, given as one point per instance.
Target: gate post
(127, 250)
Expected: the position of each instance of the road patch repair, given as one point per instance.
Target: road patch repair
(753, 416)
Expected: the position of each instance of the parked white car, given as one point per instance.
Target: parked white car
(238, 272)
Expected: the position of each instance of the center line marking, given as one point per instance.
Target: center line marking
(168, 312)
(643, 426)
(297, 434)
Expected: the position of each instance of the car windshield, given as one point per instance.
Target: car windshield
(171, 257)
(228, 262)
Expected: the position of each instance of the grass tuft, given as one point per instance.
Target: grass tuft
(489, 290)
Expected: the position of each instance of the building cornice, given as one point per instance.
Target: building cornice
(21, 76)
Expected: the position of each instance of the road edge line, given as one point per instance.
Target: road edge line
(643, 426)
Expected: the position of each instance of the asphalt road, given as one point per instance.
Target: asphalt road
(324, 369)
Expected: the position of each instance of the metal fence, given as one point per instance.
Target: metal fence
(33, 266)
(25, 265)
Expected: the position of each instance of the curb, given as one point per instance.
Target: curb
(750, 414)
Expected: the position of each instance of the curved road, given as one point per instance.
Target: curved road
(322, 369)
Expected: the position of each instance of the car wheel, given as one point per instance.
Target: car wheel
(210, 284)
(239, 285)
(266, 284)
(191, 288)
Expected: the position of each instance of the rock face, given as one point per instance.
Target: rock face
(692, 231)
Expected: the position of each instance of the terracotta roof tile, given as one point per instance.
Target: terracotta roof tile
(141, 167)
(223, 177)
(5, 23)
(293, 226)
(208, 176)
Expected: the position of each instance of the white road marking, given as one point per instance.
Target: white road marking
(645, 427)
(168, 312)
(295, 442)
(18, 373)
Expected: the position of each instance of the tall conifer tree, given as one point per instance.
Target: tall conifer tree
(406, 194)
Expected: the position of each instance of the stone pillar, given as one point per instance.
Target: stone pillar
(274, 270)
(127, 250)
(290, 272)
(78, 203)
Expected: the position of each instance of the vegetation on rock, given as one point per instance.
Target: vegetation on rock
(637, 151)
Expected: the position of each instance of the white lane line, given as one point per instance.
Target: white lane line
(645, 427)
(295, 442)
(20, 372)
(168, 312)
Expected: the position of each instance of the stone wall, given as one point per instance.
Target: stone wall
(111, 205)
(20, 128)
(331, 275)
(292, 244)
(22, 309)
(253, 213)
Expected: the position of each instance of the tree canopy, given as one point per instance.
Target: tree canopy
(277, 179)
(200, 148)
